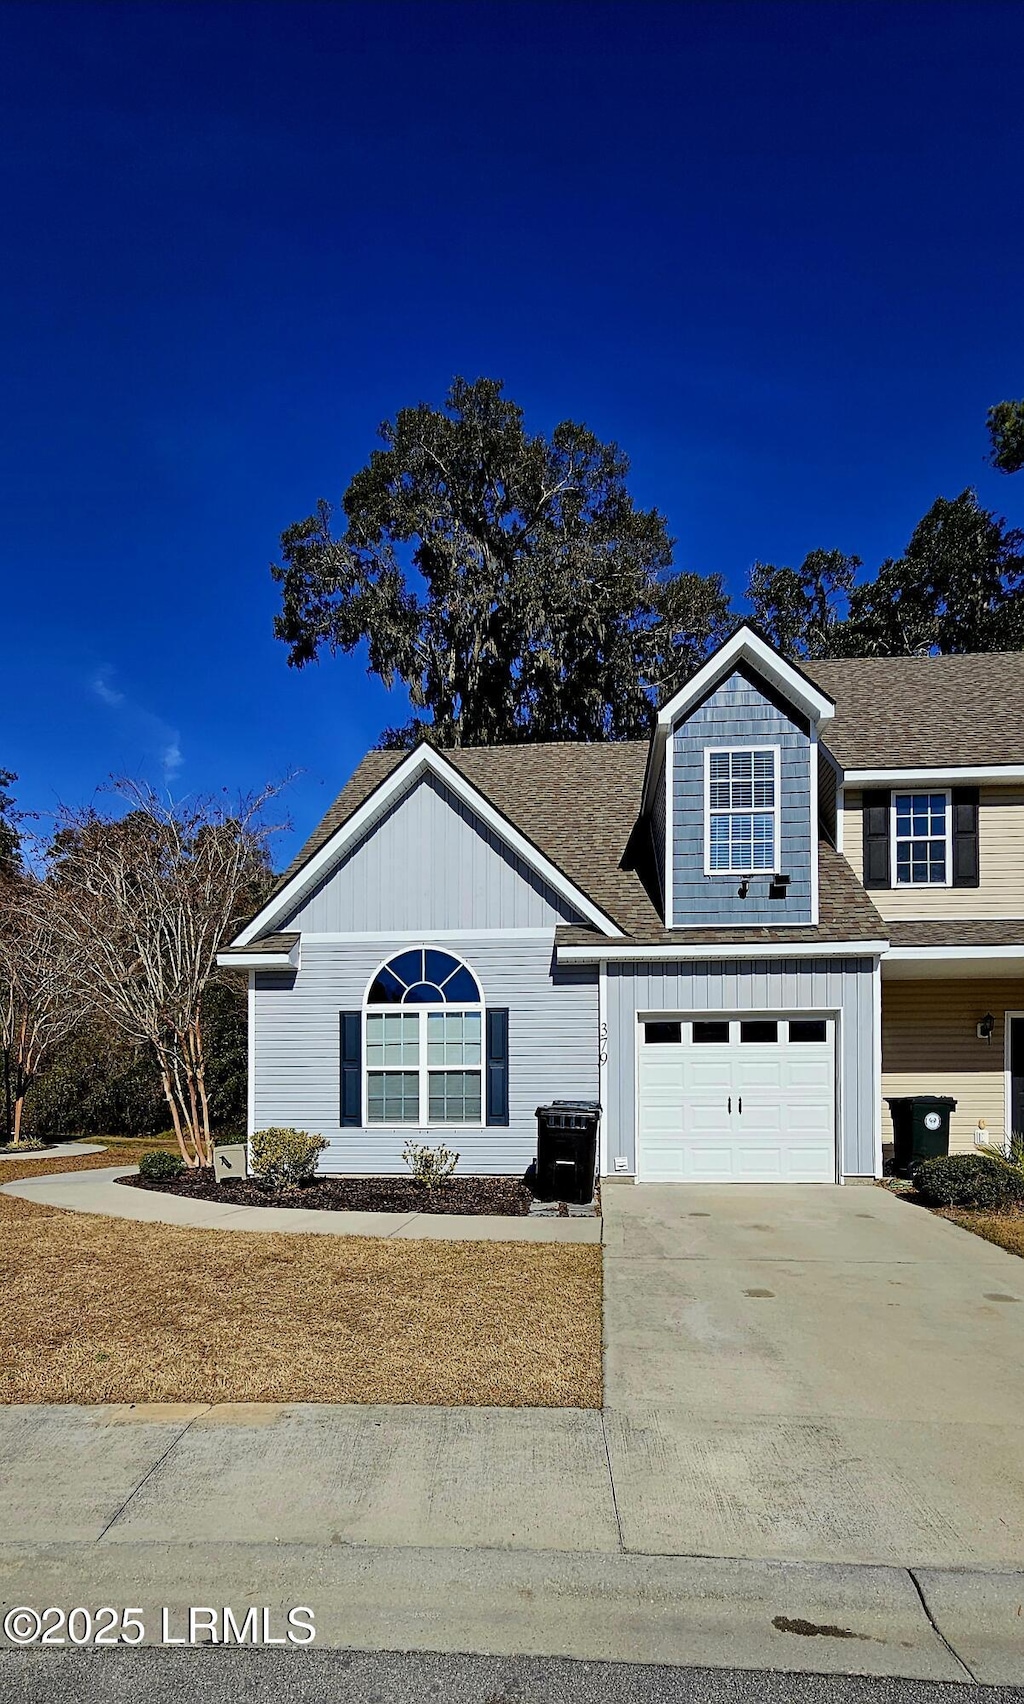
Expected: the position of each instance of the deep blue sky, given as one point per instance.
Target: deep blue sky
(774, 250)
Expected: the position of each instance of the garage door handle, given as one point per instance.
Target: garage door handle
(730, 1103)
(741, 1103)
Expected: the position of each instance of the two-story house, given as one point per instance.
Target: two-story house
(806, 892)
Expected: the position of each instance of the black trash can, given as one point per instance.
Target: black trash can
(920, 1128)
(566, 1151)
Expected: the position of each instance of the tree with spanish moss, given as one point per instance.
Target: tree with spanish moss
(506, 580)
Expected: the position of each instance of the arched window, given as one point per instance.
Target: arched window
(423, 1054)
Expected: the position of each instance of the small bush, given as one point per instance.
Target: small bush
(161, 1167)
(27, 1145)
(429, 1166)
(969, 1180)
(281, 1158)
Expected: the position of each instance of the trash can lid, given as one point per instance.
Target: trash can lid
(569, 1106)
(920, 1100)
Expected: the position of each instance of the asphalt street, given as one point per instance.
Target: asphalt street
(403, 1677)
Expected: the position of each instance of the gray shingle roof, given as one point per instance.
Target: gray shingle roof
(902, 712)
(578, 804)
(266, 944)
(954, 932)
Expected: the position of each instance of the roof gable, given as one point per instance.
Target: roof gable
(367, 798)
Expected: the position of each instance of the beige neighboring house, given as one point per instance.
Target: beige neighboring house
(803, 893)
(928, 771)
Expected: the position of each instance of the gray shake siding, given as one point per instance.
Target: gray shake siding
(738, 714)
(783, 985)
(658, 821)
(430, 863)
(553, 1046)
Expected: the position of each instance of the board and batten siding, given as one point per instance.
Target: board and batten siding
(844, 986)
(1000, 890)
(429, 863)
(738, 713)
(930, 1046)
(552, 1038)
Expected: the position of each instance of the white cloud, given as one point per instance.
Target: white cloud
(104, 691)
(155, 736)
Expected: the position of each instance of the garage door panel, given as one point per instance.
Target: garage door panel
(755, 1112)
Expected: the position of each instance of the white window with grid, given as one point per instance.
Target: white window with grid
(920, 832)
(423, 1042)
(741, 807)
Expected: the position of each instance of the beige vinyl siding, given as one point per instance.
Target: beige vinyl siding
(1000, 860)
(930, 1046)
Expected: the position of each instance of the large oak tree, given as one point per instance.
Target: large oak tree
(507, 580)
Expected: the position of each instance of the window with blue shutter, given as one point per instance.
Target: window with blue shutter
(497, 1065)
(351, 1069)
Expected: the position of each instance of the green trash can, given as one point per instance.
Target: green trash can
(920, 1128)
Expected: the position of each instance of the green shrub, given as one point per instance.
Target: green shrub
(27, 1145)
(429, 1166)
(282, 1158)
(969, 1180)
(161, 1167)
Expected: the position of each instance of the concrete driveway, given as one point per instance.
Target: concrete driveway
(811, 1373)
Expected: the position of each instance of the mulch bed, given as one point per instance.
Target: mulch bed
(507, 1196)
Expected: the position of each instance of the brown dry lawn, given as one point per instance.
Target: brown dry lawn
(103, 1310)
(1006, 1229)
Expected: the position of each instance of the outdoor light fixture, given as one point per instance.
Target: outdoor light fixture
(985, 1027)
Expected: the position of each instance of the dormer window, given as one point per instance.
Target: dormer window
(741, 794)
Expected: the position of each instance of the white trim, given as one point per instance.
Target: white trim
(876, 1064)
(908, 955)
(1008, 1079)
(424, 760)
(815, 825)
(669, 779)
(572, 954)
(774, 811)
(938, 776)
(895, 842)
(250, 1092)
(840, 815)
(603, 1043)
(426, 938)
(746, 646)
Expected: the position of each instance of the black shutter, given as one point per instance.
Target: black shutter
(351, 1068)
(965, 837)
(497, 1065)
(875, 810)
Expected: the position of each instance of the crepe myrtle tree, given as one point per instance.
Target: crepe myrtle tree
(40, 993)
(146, 899)
(506, 580)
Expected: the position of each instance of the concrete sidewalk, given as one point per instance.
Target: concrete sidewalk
(489, 1530)
(59, 1151)
(96, 1191)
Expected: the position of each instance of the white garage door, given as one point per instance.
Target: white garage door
(742, 1100)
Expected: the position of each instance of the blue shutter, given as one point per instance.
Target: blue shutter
(497, 1065)
(351, 1069)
